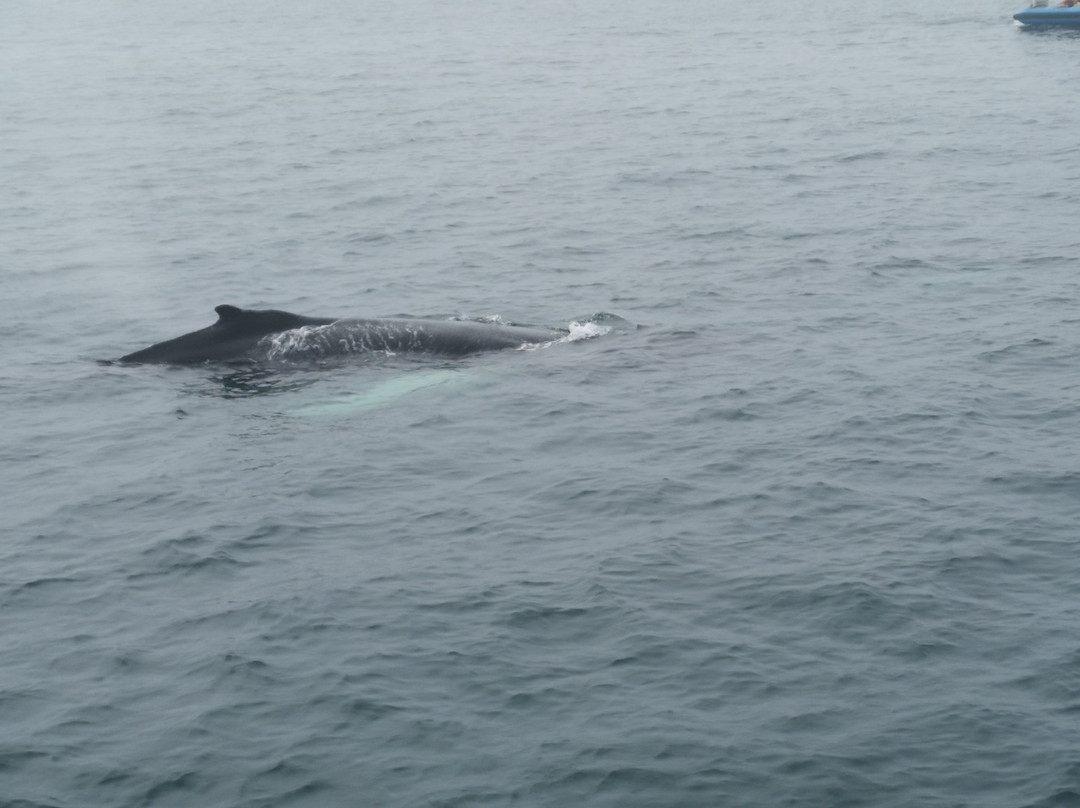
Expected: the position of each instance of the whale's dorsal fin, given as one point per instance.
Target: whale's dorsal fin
(227, 313)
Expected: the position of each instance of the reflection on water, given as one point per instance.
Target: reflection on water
(1062, 31)
(253, 381)
(257, 379)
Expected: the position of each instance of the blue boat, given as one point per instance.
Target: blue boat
(1041, 14)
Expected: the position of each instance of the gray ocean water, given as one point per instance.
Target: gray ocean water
(798, 529)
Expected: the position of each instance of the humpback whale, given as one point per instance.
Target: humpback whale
(250, 334)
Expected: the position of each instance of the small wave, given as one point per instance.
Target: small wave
(873, 154)
(1014, 349)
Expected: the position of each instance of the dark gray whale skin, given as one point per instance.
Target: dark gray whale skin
(238, 332)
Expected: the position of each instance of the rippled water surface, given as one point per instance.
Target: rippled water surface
(796, 525)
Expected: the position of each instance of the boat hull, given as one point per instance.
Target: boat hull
(1049, 16)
